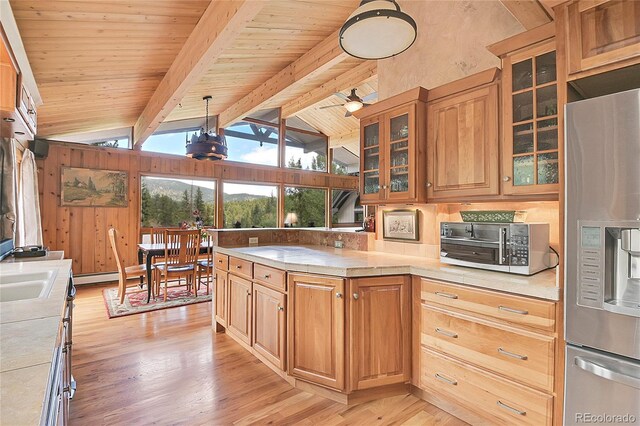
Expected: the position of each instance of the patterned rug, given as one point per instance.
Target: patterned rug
(136, 303)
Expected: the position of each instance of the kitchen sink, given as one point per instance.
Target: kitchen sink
(31, 285)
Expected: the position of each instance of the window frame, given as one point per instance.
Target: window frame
(327, 198)
(283, 161)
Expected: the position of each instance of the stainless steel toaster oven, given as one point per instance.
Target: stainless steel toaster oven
(519, 248)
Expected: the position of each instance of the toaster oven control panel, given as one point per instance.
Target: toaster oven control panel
(519, 246)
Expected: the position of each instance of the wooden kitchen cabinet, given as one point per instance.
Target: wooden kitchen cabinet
(462, 143)
(269, 325)
(600, 35)
(239, 308)
(392, 149)
(379, 331)
(221, 295)
(531, 134)
(13, 122)
(316, 317)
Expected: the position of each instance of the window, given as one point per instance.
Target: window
(304, 207)
(345, 162)
(305, 150)
(251, 142)
(345, 208)
(172, 202)
(114, 143)
(169, 143)
(250, 206)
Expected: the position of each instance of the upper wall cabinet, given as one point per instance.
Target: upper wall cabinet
(462, 140)
(600, 35)
(392, 149)
(530, 151)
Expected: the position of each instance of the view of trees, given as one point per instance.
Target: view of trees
(308, 204)
(250, 211)
(165, 209)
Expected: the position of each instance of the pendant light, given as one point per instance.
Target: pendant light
(378, 29)
(206, 145)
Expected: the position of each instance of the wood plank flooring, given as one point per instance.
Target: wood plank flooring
(167, 367)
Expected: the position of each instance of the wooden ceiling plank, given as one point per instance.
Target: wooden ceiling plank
(361, 73)
(216, 30)
(316, 61)
(530, 13)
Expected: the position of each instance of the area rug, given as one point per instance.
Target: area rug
(136, 303)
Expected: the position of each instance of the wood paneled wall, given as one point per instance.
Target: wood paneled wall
(82, 231)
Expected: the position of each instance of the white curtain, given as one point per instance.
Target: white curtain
(29, 229)
(8, 189)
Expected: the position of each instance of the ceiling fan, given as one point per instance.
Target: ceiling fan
(353, 102)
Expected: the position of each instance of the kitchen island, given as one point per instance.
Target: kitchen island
(356, 325)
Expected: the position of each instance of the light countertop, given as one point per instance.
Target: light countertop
(28, 333)
(352, 263)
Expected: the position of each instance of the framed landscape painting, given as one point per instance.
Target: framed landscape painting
(400, 225)
(93, 188)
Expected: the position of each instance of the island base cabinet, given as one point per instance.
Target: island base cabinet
(269, 325)
(239, 309)
(316, 343)
(498, 400)
(220, 295)
(379, 331)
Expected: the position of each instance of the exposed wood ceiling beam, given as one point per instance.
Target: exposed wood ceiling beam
(316, 61)
(360, 74)
(216, 30)
(530, 13)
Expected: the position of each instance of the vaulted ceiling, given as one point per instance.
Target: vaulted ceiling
(107, 64)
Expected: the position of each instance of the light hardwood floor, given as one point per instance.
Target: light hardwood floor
(168, 367)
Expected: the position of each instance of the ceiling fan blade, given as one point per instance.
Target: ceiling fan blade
(329, 106)
(370, 97)
(348, 114)
(342, 96)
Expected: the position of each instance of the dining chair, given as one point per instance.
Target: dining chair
(206, 265)
(125, 272)
(157, 235)
(181, 250)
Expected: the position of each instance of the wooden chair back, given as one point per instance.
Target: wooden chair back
(113, 238)
(157, 235)
(181, 247)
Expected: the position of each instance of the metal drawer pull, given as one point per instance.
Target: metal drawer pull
(238, 266)
(512, 355)
(512, 310)
(513, 410)
(280, 308)
(447, 295)
(446, 333)
(446, 380)
(339, 295)
(606, 372)
(267, 276)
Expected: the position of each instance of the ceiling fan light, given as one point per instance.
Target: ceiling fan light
(378, 29)
(353, 106)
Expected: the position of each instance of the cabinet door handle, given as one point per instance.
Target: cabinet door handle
(384, 186)
(238, 266)
(513, 310)
(429, 184)
(506, 178)
(512, 355)
(509, 408)
(219, 260)
(339, 295)
(280, 308)
(445, 379)
(248, 293)
(447, 295)
(447, 333)
(267, 276)
(356, 296)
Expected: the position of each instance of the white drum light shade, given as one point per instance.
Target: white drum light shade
(377, 29)
(353, 106)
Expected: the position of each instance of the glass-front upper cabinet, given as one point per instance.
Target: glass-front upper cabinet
(530, 100)
(390, 156)
(370, 172)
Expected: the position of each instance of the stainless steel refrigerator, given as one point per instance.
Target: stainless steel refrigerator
(602, 252)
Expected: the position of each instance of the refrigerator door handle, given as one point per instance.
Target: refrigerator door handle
(606, 372)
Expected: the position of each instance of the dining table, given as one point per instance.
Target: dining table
(152, 250)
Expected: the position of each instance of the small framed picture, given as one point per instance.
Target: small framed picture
(400, 225)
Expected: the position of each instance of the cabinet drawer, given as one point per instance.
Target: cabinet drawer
(516, 310)
(221, 261)
(243, 268)
(519, 355)
(500, 401)
(271, 277)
